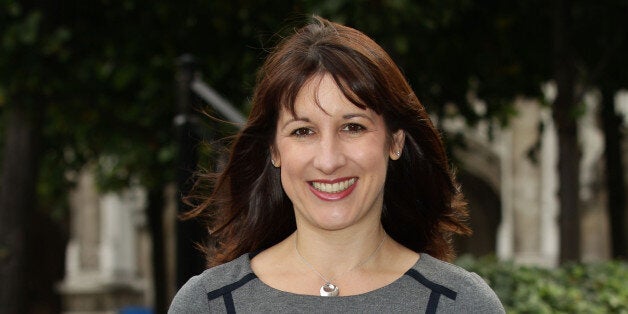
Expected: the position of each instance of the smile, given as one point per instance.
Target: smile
(335, 187)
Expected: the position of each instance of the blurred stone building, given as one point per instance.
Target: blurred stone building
(108, 257)
(507, 173)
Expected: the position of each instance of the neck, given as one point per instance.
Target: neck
(334, 252)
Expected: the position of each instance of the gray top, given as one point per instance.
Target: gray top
(430, 286)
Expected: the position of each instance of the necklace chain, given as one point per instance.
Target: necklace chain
(329, 281)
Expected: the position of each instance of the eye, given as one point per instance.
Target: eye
(301, 132)
(353, 128)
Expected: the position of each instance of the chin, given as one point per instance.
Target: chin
(335, 223)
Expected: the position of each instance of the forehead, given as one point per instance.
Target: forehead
(321, 93)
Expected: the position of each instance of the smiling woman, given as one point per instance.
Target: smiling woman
(333, 158)
(337, 186)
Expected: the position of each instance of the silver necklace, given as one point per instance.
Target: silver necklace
(329, 289)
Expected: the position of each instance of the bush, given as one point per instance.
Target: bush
(571, 288)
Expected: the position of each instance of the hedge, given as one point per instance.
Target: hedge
(571, 288)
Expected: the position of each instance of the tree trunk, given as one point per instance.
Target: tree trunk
(614, 176)
(155, 219)
(189, 233)
(40, 281)
(17, 201)
(564, 115)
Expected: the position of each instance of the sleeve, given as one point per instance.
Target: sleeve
(478, 297)
(191, 298)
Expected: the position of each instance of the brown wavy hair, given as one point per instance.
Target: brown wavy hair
(247, 209)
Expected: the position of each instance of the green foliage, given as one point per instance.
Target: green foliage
(571, 288)
(102, 72)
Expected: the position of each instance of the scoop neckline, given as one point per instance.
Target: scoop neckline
(365, 294)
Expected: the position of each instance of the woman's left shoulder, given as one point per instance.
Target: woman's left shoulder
(473, 294)
(440, 269)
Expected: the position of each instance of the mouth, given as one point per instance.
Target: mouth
(333, 187)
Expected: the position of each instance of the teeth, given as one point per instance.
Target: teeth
(335, 187)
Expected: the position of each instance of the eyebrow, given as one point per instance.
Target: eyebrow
(357, 115)
(345, 117)
(294, 119)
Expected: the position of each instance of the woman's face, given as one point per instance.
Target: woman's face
(333, 158)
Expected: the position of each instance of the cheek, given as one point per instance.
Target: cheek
(292, 162)
(373, 154)
(292, 179)
(286, 153)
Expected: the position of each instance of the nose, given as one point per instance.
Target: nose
(330, 155)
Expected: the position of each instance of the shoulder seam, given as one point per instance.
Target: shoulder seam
(230, 287)
(451, 294)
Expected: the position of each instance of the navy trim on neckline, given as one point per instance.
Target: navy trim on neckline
(437, 290)
(231, 287)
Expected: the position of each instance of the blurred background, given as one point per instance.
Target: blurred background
(107, 108)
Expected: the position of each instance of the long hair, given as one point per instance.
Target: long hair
(248, 209)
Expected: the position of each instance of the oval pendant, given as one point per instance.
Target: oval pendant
(329, 290)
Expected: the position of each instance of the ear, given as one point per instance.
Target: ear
(275, 159)
(396, 147)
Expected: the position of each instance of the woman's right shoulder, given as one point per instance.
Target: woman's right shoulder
(192, 297)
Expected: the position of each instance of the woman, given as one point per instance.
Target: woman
(338, 195)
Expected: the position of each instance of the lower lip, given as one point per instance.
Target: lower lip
(333, 196)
